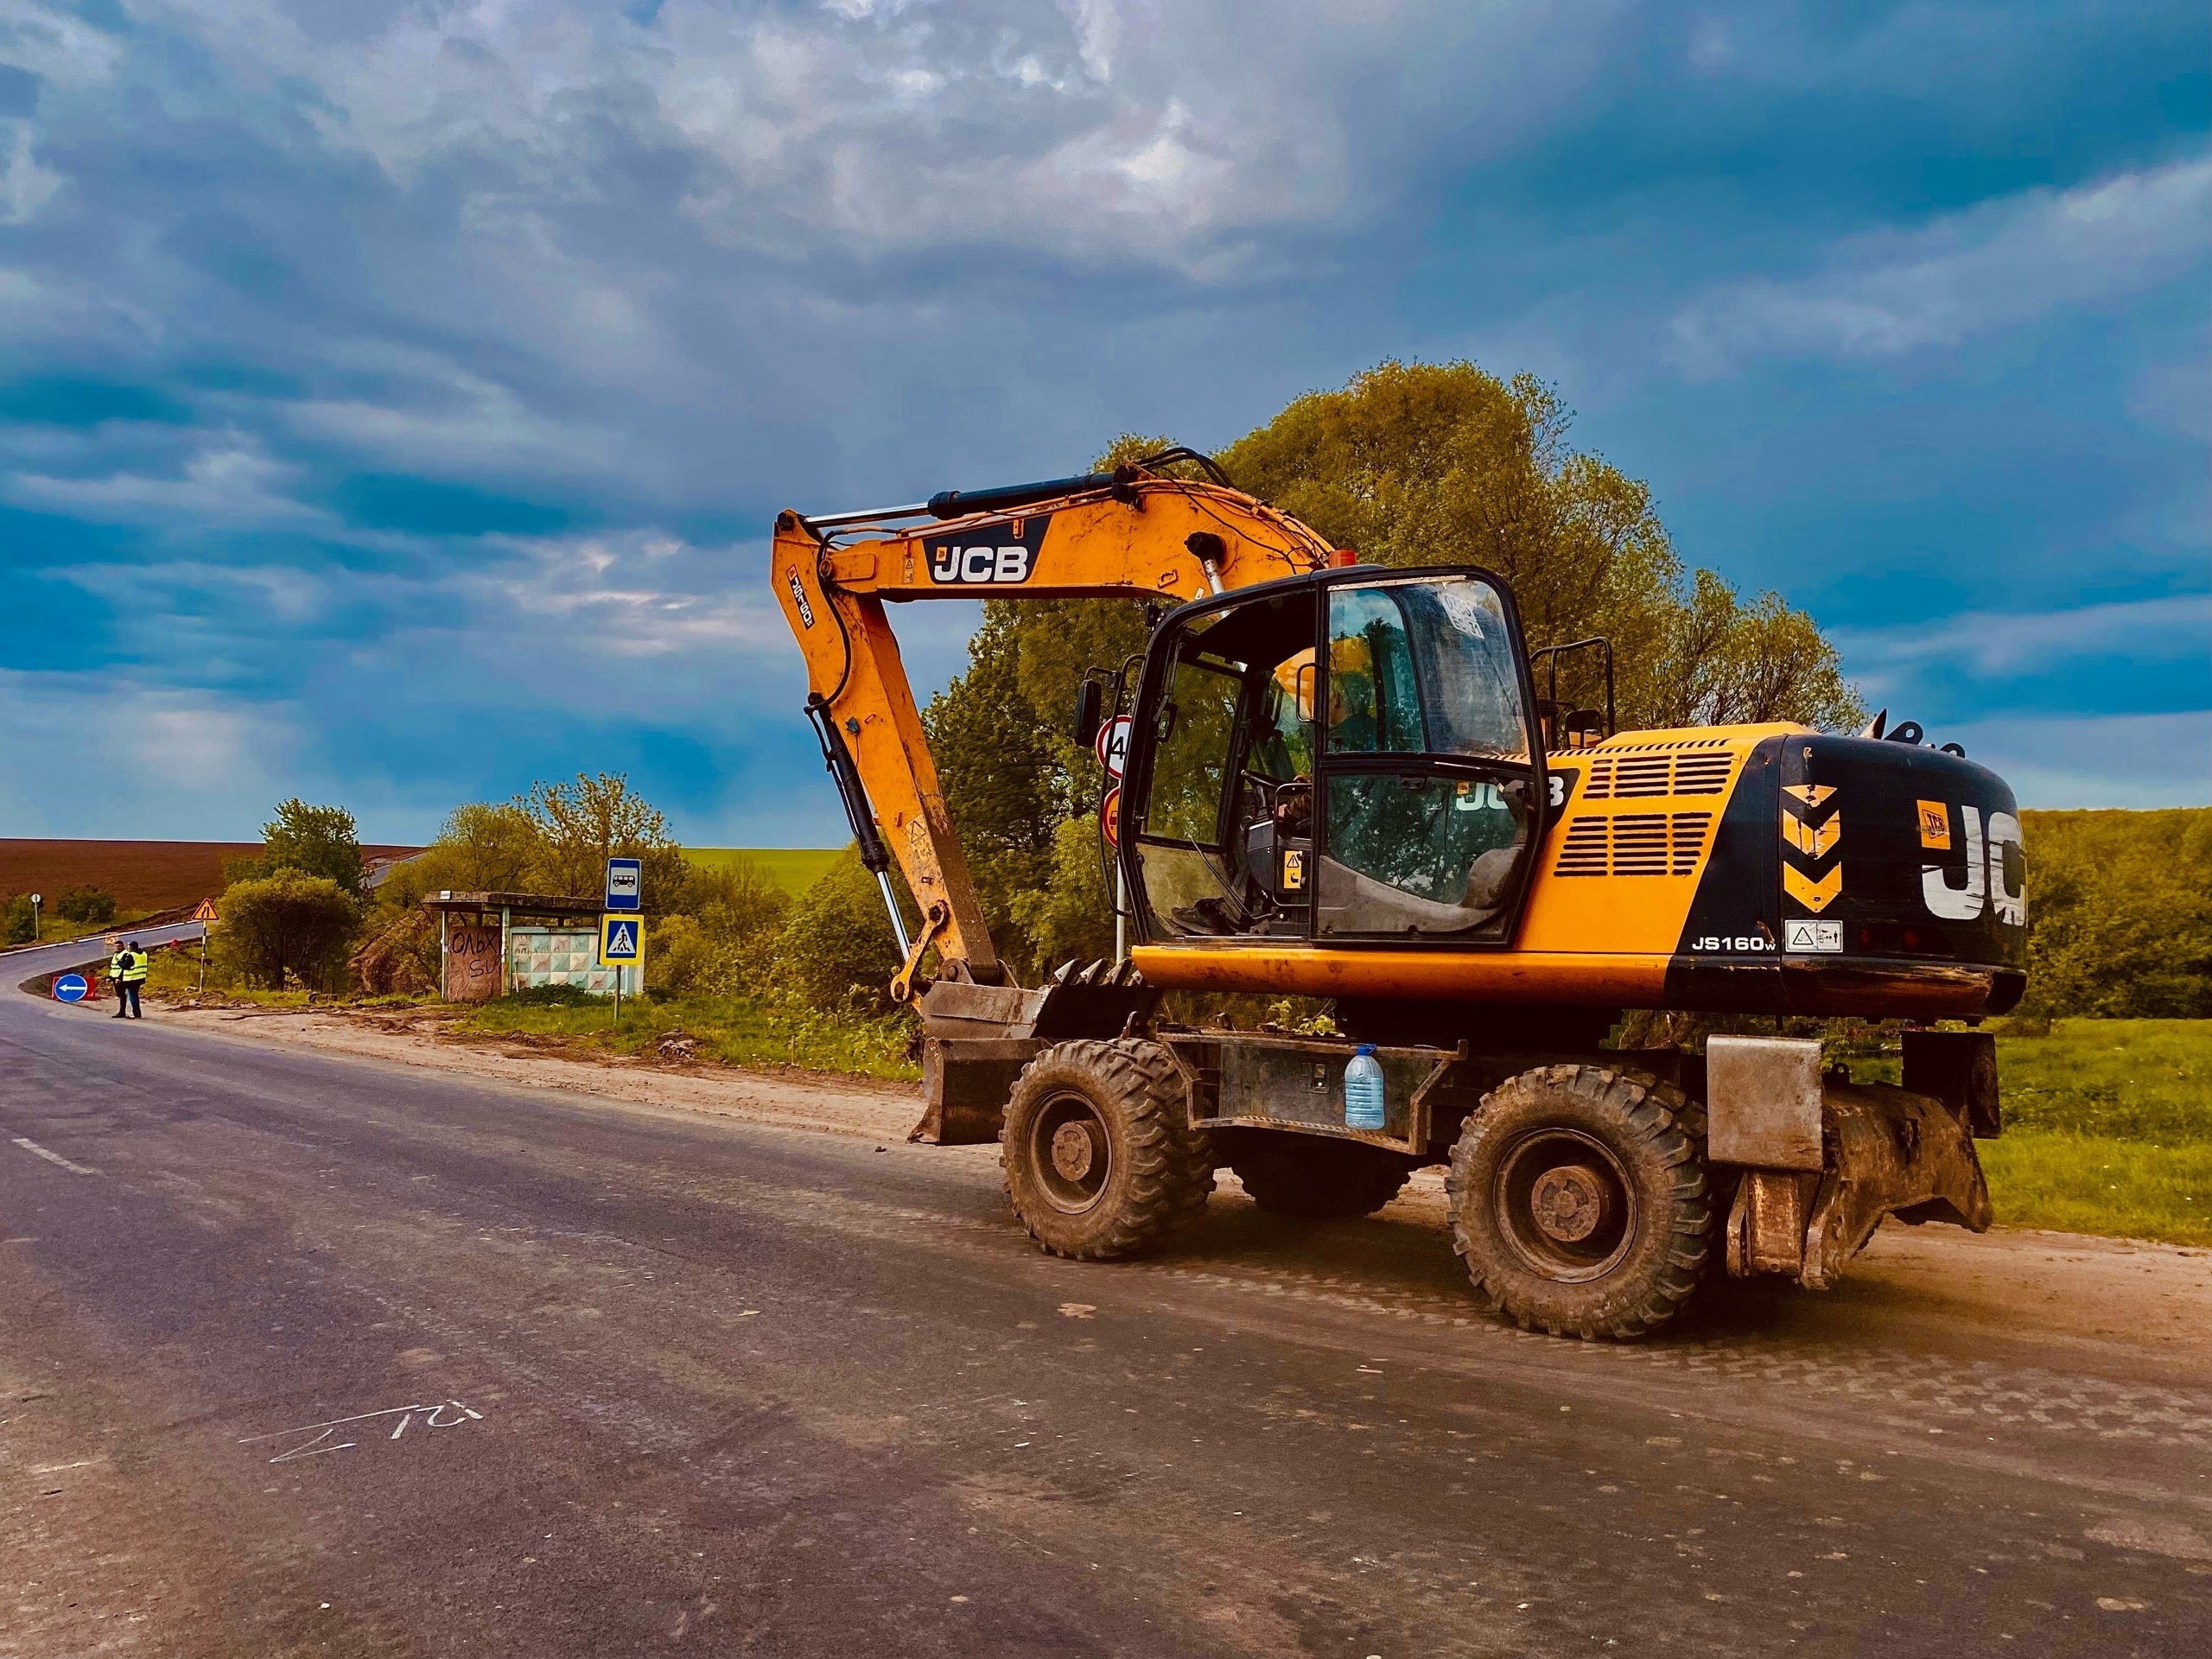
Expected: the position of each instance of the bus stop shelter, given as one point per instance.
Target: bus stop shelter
(490, 943)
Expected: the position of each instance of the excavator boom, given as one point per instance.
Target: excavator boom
(1128, 534)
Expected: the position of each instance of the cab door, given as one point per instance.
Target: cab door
(1430, 785)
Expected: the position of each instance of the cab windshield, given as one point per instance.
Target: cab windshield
(1423, 667)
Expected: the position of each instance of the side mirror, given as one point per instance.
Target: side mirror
(1090, 705)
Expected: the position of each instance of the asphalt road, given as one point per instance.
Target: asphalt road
(302, 1355)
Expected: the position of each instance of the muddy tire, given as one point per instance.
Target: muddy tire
(1579, 1201)
(1317, 1180)
(1099, 1159)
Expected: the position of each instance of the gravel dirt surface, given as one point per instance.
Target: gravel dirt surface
(310, 1348)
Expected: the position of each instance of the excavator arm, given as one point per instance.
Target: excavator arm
(1131, 533)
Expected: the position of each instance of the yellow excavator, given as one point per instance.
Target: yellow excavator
(1335, 779)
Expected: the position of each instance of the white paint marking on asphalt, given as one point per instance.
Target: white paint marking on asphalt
(53, 1157)
(315, 1448)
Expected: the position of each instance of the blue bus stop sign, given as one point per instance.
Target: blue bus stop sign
(70, 988)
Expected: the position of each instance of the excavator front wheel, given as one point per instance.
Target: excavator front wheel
(1579, 1201)
(1100, 1159)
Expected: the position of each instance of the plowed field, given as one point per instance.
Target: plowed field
(143, 875)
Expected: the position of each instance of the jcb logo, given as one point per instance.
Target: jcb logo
(1996, 866)
(994, 564)
(989, 556)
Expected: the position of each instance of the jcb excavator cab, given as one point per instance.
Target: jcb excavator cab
(1348, 756)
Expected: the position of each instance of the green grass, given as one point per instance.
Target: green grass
(734, 1030)
(793, 868)
(2095, 1184)
(2107, 1127)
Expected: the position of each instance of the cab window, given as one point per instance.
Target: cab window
(1423, 667)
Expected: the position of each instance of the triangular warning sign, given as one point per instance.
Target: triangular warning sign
(206, 913)
(621, 939)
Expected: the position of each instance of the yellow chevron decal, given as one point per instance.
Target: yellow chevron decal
(1814, 895)
(1811, 794)
(1807, 839)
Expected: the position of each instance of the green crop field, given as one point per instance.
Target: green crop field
(793, 868)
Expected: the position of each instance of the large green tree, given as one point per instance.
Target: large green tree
(314, 840)
(581, 824)
(2119, 914)
(1440, 463)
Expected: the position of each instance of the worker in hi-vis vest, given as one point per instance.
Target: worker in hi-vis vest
(129, 968)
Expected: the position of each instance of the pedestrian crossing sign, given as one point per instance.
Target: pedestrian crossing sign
(621, 941)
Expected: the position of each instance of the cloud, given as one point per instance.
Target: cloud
(1997, 265)
(89, 760)
(2125, 760)
(1998, 644)
(415, 384)
(227, 481)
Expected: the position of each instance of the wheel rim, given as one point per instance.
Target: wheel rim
(1566, 1204)
(1071, 1152)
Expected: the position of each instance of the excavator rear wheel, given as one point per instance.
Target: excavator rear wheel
(1100, 1159)
(1317, 1180)
(1579, 1200)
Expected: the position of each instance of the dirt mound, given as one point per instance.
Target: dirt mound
(401, 961)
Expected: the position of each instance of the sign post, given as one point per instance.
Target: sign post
(36, 900)
(1110, 825)
(206, 917)
(621, 944)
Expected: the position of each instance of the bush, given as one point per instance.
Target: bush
(719, 937)
(286, 925)
(21, 924)
(2119, 914)
(836, 953)
(92, 905)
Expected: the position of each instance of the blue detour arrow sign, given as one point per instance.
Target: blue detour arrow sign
(70, 987)
(621, 941)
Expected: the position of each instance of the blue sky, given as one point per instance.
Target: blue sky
(396, 395)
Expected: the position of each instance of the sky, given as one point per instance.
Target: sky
(395, 395)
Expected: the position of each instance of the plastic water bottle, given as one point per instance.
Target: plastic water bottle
(1364, 1090)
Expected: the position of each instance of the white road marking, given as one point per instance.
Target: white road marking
(322, 1432)
(53, 1157)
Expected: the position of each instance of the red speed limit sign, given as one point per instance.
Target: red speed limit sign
(1114, 745)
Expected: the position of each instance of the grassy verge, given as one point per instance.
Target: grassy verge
(734, 1030)
(2107, 1128)
(2094, 1184)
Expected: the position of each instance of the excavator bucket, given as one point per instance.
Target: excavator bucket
(977, 1038)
